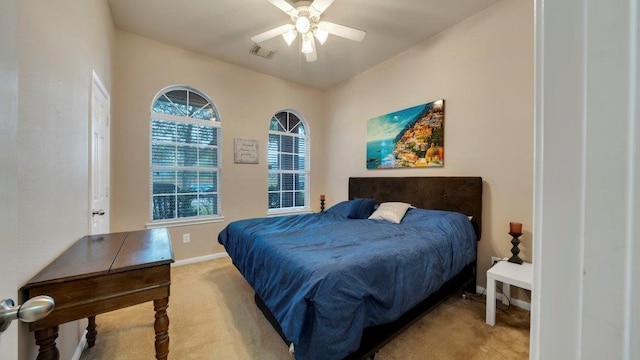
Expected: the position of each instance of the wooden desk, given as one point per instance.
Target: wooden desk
(101, 273)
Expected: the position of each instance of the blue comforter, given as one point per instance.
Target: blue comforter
(326, 277)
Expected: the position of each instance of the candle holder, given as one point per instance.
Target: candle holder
(514, 250)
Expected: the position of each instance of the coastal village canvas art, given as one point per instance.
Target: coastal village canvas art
(413, 137)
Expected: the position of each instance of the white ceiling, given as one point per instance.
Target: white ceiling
(222, 29)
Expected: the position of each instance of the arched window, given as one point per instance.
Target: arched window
(288, 158)
(185, 156)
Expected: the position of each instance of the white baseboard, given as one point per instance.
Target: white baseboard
(200, 258)
(81, 346)
(499, 296)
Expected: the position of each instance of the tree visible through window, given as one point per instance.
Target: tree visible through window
(288, 162)
(185, 138)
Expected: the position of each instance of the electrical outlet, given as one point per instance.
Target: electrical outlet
(495, 259)
(186, 238)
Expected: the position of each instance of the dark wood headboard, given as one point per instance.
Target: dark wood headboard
(455, 193)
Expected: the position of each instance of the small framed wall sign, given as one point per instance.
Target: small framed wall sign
(245, 151)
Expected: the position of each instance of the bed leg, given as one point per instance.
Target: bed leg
(471, 285)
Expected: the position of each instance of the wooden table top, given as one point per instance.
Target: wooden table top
(95, 255)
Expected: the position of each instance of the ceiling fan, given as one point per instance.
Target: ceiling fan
(306, 22)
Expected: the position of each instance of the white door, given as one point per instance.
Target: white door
(9, 166)
(99, 157)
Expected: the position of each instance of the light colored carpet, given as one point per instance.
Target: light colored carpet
(212, 316)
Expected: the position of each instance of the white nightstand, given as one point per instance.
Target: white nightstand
(509, 274)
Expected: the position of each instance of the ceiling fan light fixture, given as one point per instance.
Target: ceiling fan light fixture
(321, 35)
(307, 46)
(305, 21)
(289, 36)
(303, 24)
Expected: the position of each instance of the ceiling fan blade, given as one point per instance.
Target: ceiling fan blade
(272, 33)
(319, 6)
(342, 31)
(284, 6)
(312, 56)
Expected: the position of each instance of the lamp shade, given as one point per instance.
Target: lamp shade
(321, 35)
(515, 227)
(289, 36)
(307, 46)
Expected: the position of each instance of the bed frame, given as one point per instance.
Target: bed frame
(461, 194)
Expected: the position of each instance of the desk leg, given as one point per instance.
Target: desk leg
(91, 331)
(491, 301)
(46, 340)
(161, 326)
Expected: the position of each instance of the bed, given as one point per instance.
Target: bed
(338, 285)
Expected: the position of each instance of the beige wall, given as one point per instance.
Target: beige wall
(246, 100)
(483, 68)
(59, 44)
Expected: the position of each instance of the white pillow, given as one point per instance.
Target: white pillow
(390, 211)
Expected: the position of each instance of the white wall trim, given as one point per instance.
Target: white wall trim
(631, 349)
(185, 222)
(81, 346)
(200, 259)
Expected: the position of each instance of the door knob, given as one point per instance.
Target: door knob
(33, 310)
(97, 212)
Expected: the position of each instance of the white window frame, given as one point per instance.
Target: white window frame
(306, 208)
(182, 221)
